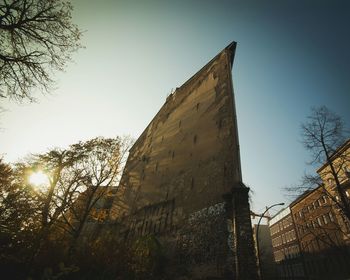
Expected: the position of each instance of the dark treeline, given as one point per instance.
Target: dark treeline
(52, 206)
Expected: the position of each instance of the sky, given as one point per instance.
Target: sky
(291, 56)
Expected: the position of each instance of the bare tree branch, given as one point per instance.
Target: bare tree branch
(36, 38)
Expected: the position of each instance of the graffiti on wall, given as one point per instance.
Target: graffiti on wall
(152, 219)
(202, 238)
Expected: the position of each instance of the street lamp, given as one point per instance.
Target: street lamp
(257, 234)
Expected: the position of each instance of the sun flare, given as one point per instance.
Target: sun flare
(39, 179)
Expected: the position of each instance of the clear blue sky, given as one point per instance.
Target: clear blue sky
(291, 55)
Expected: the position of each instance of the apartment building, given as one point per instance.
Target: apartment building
(321, 238)
(286, 246)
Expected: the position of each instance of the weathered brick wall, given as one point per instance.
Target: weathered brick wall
(180, 175)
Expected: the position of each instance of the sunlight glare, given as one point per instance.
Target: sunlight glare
(39, 179)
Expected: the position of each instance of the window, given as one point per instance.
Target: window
(347, 171)
(331, 218)
(330, 181)
(319, 221)
(325, 220)
(301, 230)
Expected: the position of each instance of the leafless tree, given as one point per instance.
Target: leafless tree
(323, 134)
(36, 37)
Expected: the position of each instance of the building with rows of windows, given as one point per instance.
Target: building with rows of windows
(323, 243)
(286, 246)
(311, 237)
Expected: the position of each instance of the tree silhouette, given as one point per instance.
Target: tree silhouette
(101, 170)
(37, 36)
(18, 219)
(323, 134)
(40, 224)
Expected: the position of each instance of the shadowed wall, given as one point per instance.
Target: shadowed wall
(179, 180)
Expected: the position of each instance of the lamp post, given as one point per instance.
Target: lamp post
(257, 234)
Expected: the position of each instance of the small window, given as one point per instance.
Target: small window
(324, 199)
(325, 220)
(330, 181)
(331, 218)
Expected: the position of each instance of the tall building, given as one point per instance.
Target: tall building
(182, 182)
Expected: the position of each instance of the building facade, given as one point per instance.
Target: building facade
(336, 186)
(286, 247)
(311, 238)
(182, 182)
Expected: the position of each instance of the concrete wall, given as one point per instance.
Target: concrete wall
(179, 179)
